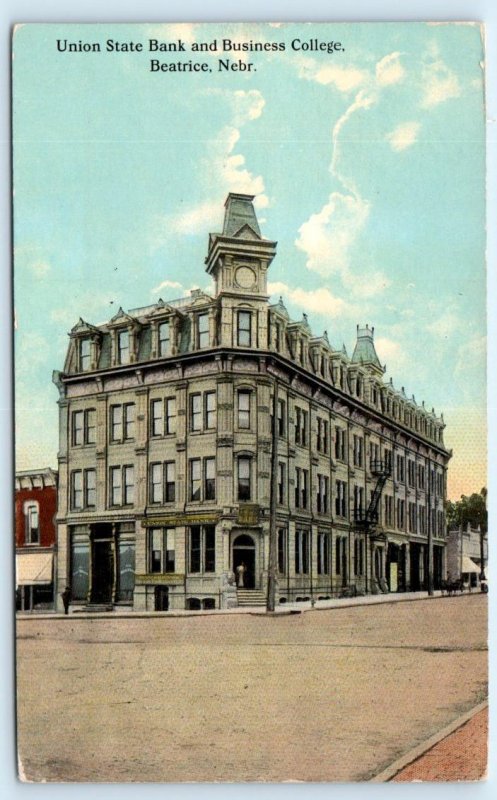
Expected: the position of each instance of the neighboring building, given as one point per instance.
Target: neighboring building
(165, 457)
(464, 551)
(35, 512)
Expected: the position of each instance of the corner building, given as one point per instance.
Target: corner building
(166, 451)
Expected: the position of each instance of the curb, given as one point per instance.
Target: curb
(412, 755)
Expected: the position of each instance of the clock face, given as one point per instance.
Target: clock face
(245, 277)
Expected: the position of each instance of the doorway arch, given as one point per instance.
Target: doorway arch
(243, 552)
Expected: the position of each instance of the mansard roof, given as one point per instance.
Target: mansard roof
(239, 218)
(364, 351)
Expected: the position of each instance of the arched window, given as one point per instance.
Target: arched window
(32, 522)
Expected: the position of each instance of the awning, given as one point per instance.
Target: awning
(33, 568)
(468, 565)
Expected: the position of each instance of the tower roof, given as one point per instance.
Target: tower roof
(239, 214)
(364, 351)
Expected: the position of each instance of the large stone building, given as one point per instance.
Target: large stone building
(166, 451)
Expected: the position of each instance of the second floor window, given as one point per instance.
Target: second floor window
(83, 427)
(244, 484)
(83, 489)
(301, 486)
(244, 410)
(163, 482)
(244, 329)
(341, 499)
(32, 524)
(163, 416)
(281, 482)
(322, 494)
(121, 486)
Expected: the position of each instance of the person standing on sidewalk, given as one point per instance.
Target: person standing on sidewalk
(66, 598)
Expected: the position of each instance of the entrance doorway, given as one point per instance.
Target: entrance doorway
(102, 564)
(161, 598)
(244, 553)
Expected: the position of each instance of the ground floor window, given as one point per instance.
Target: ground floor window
(282, 550)
(161, 548)
(202, 548)
(324, 554)
(302, 542)
(358, 556)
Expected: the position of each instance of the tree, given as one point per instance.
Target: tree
(472, 509)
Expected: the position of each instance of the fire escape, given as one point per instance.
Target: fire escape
(367, 521)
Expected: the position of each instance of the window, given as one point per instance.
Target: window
(388, 509)
(196, 412)
(341, 499)
(122, 422)
(277, 337)
(83, 427)
(123, 347)
(282, 550)
(169, 482)
(358, 451)
(244, 329)
(210, 410)
(32, 523)
(358, 556)
(163, 417)
(400, 513)
(400, 468)
(422, 519)
(161, 549)
(202, 548)
(155, 491)
(421, 476)
(209, 479)
(340, 444)
(322, 494)
(244, 487)
(301, 482)
(340, 555)
(411, 473)
(388, 459)
(164, 339)
(244, 409)
(128, 486)
(202, 479)
(84, 355)
(300, 426)
(301, 552)
(374, 452)
(83, 489)
(324, 554)
(281, 482)
(322, 435)
(122, 486)
(358, 501)
(281, 417)
(128, 421)
(412, 518)
(202, 330)
(195, 479)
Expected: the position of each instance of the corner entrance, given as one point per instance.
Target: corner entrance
(243, 552)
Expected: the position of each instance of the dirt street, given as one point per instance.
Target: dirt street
(331, 695)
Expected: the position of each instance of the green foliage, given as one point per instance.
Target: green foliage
(470, 509)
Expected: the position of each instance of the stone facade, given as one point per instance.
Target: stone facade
(464, 550)
(166, 450)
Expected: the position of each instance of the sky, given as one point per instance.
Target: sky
(367, 164)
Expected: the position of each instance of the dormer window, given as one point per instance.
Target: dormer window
(164, 339)
(202, 330)
(84, 355)
(123, 347)
(244, 329)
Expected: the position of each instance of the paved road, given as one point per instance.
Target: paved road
(330, 695)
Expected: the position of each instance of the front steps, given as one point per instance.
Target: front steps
(251, 597)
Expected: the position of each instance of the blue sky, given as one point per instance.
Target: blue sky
(368, 166)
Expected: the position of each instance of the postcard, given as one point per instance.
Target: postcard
(251, 525)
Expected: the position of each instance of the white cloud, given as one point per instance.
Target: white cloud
(403, 136)
(319, 301)
(345, 79)
(40, 269)
(327, 236)
(444, 326)
(188, 222)
(368, 285)
(248, 105)
(167, 285)
(389, 70)
(439, 84)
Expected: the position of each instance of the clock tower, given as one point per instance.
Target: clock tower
(238, 260)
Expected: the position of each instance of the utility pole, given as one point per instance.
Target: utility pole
(430, 532)
(273, 549)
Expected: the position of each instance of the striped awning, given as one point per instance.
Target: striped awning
(33, 568)
(468, 565)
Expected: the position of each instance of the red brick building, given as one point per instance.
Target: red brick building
(35, 531)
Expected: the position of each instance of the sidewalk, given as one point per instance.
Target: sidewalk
(281, 610)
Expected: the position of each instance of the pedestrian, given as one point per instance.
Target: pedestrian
(240, 572)
(66, 599)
